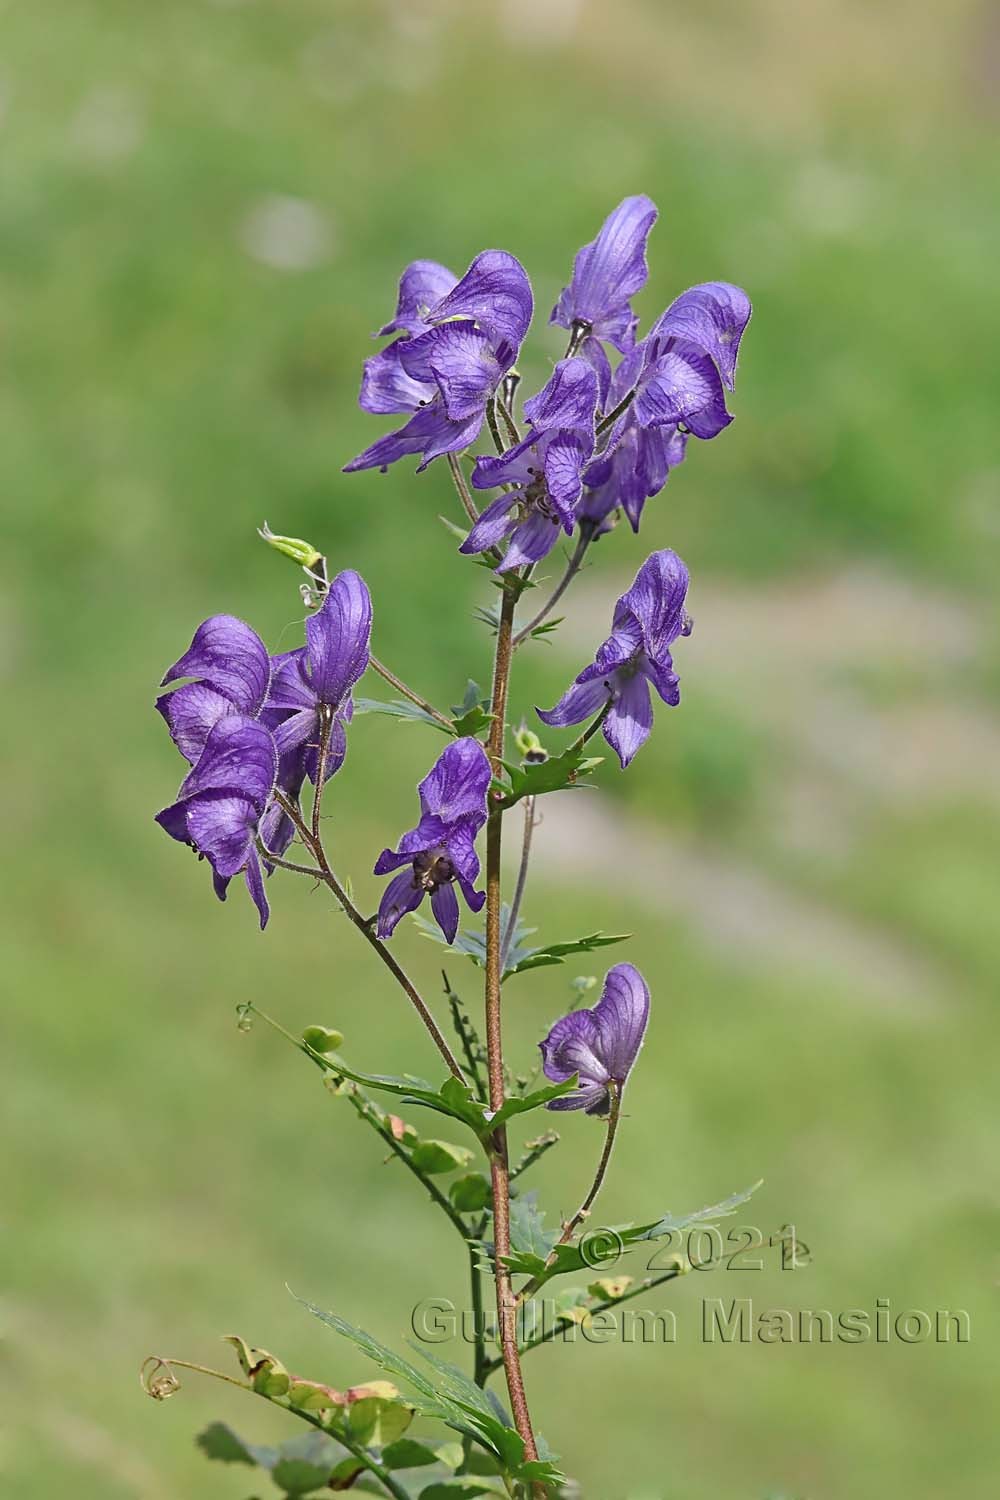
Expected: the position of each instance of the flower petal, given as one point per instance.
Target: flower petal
(421, 287)
(255, 885)
(581, 701)
(227, 655)
(496, 292)
(338, 637)
(682, 385)
(572, 1046)
(386, 387)
(462, 363)
(191, 712)
(532, 540)
(516, 466)
(222, 827)
(627, 726)
(607, 272)
(566, 455)
(401, 895)
(462, 850)
(240, 759)
(622, 1014)
(457, 783)
(444, 905)
(711, 316)
(569, 399)
(657, 598)
(430, 432)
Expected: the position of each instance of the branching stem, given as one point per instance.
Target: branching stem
(406, 692)
(522, 880)
(572, 568)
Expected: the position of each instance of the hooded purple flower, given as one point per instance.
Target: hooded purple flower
(600, 1045)
(606, 273)
(315, 681)
(232, 670)
(222, 801)
(679, 374)
(454, 354)
(440, 851)
(647, 620)
(545, 470)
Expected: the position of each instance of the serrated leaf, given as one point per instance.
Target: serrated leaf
(473, 722)
(552, 775)
(452, 1098)
(435, 1157)
(527, 1230)
(557, 953)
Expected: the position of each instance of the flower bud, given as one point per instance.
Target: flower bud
(303, 553)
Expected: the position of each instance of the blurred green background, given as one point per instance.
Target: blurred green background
(203, 212)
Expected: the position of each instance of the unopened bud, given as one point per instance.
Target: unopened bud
(529, 746)
(303, 553)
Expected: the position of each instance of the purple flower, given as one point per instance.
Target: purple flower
(232, 670)
(606, 273)
(453, 357)
(222, 801)
(647, 620)
(440, 851)
(599, 1045)
(712, 317)
(545, 470)
(629, 473)
(314, 683)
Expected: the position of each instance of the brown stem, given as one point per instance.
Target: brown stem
(404, 691)
(499, 1163)
(324, 873)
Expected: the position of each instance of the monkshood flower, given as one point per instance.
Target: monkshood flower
(452, 358)
(440, 852)
(606, 274)
(679, 374)
(222, 801)
(312, 685)
(545, 470)
(599, 1045)
(636, 655)
(232, 670)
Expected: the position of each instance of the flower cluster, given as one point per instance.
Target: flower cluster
(600, 438)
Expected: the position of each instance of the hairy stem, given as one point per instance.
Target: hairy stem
(572, 568)
(491, 418)
(522, 880)
(406, 692)
(499, 1166)
(614, 413)
(461, 485)
(314, 846)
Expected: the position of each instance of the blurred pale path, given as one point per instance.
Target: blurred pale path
(204, 208)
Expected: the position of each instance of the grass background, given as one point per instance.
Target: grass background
(203, 213)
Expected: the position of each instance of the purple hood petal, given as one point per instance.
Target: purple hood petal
(607, 272)
(227, 655)
(496, 292)
(338, 637)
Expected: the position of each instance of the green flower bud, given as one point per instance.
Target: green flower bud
(303, 553)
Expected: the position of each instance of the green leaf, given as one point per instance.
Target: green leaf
(305, 1463)
(221, 1443)
(453, 1489)
(407, 1453)
(557, 953)
(471, 1194)
(321, 1039)
(435, 1157)
(397, 708)
(552, 775)
(459, 532)
(527, 1232)
(519, 1104)
(474, 722)
(267, 1374)
(452, 1098)
(375, 1421)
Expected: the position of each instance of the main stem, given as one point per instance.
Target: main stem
(499, 1162)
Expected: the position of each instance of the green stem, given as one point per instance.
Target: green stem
(590, 731)
(614, 413)
(522, 880)
(572, 568)
(461, 485)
